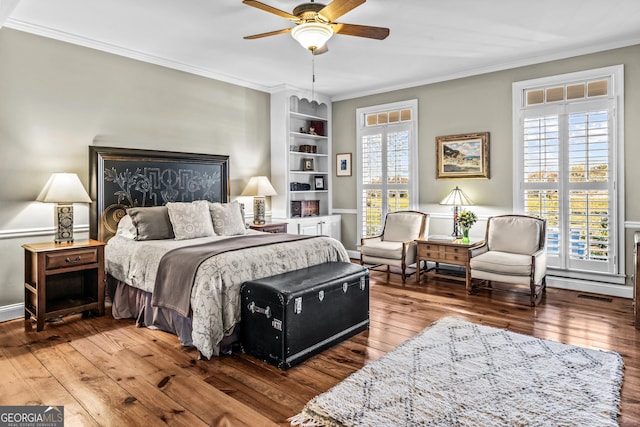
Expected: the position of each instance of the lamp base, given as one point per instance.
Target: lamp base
(259, 210)
(64, 222)
(456, 230)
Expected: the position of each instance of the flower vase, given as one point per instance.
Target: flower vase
(465, 235)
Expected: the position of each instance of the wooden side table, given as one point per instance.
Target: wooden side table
(273, 227)
(62, 278)
(440, 251)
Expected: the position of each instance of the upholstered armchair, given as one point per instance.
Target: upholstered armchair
(514, 252)
(396, 245)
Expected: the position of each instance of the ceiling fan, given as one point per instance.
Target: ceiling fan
(315, 23)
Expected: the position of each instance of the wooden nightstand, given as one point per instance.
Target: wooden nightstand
(62, 278)
(273, 227)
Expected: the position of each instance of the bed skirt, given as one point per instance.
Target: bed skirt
(133, 303)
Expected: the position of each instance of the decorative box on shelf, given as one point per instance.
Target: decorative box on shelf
(299, 186)
(301, 208)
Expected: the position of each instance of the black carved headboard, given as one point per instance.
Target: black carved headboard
(120, 178)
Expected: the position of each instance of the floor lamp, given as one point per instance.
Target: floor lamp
(456, 198)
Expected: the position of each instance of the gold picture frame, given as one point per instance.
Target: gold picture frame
(463, 156)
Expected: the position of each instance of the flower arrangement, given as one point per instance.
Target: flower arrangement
(466, 219)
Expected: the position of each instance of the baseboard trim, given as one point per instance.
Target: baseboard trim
(11, 312)
(622, 291)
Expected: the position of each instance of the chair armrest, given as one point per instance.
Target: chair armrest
(539, 263)
(371, 239)
(478, 250)
(407, 244)
(539, 252)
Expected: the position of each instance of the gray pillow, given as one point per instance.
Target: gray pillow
(152, 222)
(190, 220)
(227, 219)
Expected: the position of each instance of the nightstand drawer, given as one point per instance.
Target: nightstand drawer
(71, 258)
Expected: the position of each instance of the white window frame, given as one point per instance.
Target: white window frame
(616, 97)
(363, 130)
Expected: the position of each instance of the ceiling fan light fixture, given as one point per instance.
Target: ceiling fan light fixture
(312, 35)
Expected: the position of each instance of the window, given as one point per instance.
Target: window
(566, 152)
(387, 163)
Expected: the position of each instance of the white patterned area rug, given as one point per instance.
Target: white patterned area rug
(456, 373)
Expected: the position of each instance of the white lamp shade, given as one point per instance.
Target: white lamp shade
(259, 186)
(64, 188)
(312, 35)
(457, 198)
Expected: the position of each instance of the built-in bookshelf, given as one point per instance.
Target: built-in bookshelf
(301, 161)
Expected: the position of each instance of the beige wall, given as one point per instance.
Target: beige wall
(483, 103)
(56, 99)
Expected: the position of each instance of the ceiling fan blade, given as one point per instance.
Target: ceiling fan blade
(321, 50)
(378, 33)
(269, 9)
(270, 33)
(337, 8)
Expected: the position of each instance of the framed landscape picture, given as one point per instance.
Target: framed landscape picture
(462, 156)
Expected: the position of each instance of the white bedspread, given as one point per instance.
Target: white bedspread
(215, 297)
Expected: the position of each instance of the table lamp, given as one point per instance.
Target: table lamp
(456, 198)
(259, 187)
(65, 189)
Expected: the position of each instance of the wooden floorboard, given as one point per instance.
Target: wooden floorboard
(110, 373)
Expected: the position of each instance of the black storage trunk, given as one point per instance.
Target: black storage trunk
(291, 316)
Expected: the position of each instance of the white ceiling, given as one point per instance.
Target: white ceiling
(430, 40)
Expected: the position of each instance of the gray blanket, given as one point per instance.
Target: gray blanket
(178, 267)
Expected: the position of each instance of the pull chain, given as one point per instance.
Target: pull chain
(313, 76)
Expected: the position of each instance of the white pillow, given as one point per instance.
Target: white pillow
(227, 219)
(190, 220)
(126, 228)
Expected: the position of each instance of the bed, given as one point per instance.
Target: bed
(150, 205)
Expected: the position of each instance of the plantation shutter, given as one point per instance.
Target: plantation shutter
(387, 156)
(567, 166)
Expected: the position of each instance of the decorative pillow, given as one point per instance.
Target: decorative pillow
(151, 223)
(227, 218)
(126, 228)
(191, 220)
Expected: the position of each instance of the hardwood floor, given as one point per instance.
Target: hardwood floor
(108, 372)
